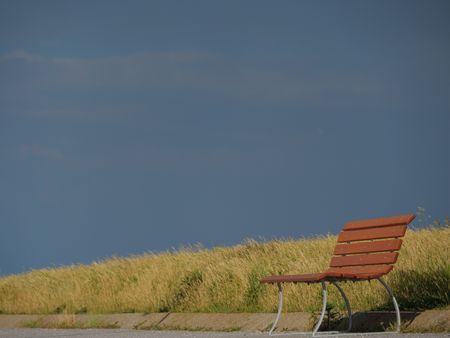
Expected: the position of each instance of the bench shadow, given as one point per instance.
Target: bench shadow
(373, 321)
(414, 292)
(420, 291)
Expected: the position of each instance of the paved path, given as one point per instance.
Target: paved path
(119, 333)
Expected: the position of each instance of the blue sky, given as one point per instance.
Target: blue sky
(128, 127)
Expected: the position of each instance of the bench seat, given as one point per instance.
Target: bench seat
(305, 278)
(325, 276)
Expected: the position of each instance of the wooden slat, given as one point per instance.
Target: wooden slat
(379, 222)
(372, 233)
(366, 247)
(369, 259)
(363, 270)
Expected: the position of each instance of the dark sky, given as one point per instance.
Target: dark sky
(136, 126)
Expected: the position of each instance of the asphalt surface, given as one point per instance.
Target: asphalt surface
(120, 333)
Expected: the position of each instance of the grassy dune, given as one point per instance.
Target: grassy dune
(227, 280)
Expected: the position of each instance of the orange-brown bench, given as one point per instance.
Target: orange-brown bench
(365, 250)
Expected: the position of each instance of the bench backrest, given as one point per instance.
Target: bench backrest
(369, 247)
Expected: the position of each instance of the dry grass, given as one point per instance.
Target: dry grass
(227, 280)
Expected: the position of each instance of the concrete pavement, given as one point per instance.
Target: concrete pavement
(125, 333)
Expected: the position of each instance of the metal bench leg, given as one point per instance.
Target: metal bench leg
(315, 331)
(347, 304)
(324, 308)
(280, 307)
(397, 310)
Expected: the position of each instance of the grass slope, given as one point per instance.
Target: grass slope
(227, 280)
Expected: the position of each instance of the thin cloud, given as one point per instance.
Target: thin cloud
(110, 87)
(41, 151)
(20, 55)
(207, 72)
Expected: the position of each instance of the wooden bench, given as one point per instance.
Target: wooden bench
(365, 250)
